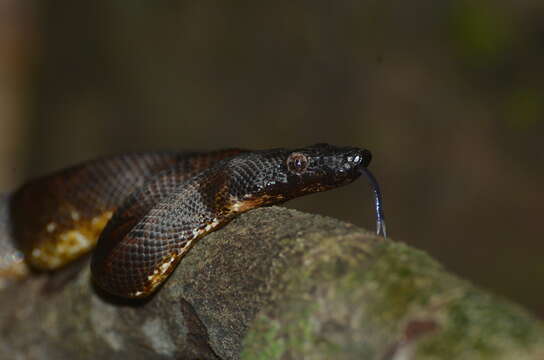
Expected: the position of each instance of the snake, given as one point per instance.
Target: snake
(143, 212)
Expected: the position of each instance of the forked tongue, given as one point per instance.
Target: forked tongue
(378, 203)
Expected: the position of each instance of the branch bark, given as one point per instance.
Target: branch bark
(274, 284)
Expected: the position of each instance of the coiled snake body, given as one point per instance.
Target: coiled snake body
(145, 211)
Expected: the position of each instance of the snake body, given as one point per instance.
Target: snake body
(145, 211)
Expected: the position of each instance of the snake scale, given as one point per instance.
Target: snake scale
(143, 212)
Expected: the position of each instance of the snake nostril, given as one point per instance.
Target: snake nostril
(358, 158)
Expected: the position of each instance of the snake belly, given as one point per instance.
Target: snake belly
(148, 210)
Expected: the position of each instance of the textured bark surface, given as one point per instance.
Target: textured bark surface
(273, 284)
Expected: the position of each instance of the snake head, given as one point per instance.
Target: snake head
(282, 174)
(322, 166)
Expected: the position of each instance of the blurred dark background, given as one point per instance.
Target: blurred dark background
(448, 95)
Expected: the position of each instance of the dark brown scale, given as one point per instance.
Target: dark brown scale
(142, 244)
(73, 205)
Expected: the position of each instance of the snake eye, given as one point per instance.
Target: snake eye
(297, 163)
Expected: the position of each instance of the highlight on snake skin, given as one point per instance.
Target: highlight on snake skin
(143, 212)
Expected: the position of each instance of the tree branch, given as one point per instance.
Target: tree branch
(274, 284)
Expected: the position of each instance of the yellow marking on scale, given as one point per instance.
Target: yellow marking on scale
(248, 202)
(74, 215)
(51, 227)
(61, 246)
(164, 269)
